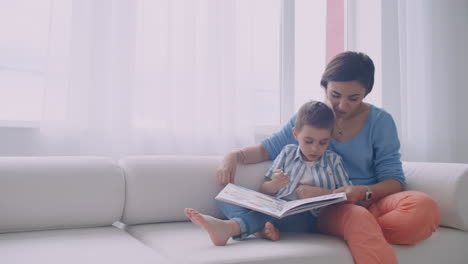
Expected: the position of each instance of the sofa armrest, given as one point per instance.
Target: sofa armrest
(446, 183)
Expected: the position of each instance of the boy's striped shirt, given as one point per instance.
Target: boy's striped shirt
(327, 172)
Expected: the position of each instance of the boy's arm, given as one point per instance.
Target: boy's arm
(275, 178)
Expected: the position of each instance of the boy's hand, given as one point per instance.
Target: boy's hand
(279, 179)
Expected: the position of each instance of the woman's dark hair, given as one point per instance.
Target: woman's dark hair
(350, 66)
(316, 114)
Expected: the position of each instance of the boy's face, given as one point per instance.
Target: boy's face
(313, 141)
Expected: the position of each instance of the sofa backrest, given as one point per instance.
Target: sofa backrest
(158, 188)
(40, 193)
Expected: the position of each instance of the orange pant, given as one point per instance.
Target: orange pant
(402, 218)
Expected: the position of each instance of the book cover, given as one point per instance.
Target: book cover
(273, 206)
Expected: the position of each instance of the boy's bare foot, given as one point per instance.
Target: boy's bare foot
(269, 232)
(219, 230)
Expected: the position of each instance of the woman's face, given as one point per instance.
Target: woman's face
(345, 97)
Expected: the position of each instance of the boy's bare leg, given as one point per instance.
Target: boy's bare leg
(269, 232)
(219, 230)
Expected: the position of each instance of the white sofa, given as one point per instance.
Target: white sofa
(61, 210)
(64, 210)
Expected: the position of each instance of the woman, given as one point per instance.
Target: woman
(366, 138)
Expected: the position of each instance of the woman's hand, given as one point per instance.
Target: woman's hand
(227, 169)
(354, 193)
(307, 191)
(248, 155)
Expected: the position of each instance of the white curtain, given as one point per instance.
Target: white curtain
(156, 77)
(430, 99)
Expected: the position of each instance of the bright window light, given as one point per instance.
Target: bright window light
(23, 51)
(310, 50)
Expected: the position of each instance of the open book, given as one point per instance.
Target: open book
(274, 206)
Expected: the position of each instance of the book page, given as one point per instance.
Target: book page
(251, 199)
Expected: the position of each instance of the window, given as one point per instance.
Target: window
(23, 51)
(310, 50)
(303, 60)
(35, 45)
(28, 61)
(188, 42)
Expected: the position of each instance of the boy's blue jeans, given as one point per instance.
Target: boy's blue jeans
(252, 221)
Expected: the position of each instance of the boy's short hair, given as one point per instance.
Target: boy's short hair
(350, 66)
(316, 114)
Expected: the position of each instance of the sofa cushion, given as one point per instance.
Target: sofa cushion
(188, 243)
(447, 183)
(170, 239)
(158, 188)
(59, 192)
(75, 246)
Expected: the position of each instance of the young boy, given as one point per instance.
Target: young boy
(298, 172)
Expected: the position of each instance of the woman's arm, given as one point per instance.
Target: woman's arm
(357, 193)
(248, 155)
(386, 146)
(387, 161)
(268, 149)
(384, 188)
(251, 155)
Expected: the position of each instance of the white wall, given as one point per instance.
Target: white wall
(420, 80)
(424, 77)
